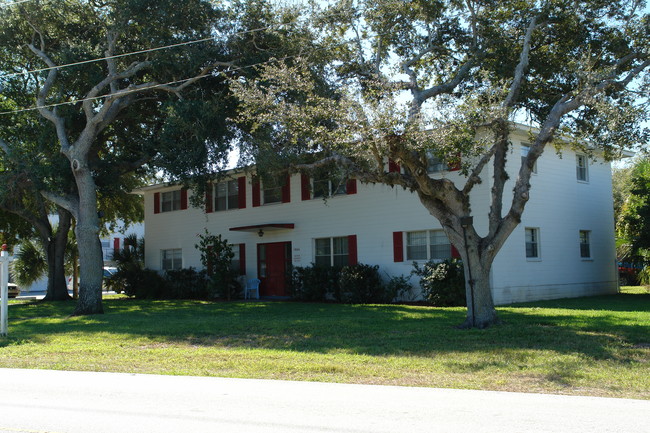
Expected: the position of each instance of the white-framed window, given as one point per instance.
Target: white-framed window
(435, 164)
(331, 251)
(525, 148)
(272, 190)
(532, 243)
(328, 187)
(170, 201)
(107, 251)
(172, 259)
(585, 244)
(582, 168)
(226, 195)
(427, 245)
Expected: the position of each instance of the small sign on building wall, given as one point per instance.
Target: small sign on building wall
(296, 255)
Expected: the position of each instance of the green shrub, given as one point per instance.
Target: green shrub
(187, 283)
(314, 283)
(143, 283)
(442, 283)
(216, 257)
(361, 284)
(399, 287)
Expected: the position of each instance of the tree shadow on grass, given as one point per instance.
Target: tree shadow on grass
(330, 328)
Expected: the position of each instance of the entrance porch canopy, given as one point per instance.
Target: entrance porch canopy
(263, 227)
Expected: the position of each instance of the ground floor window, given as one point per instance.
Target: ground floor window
(427, 245)
(332, 251)
(532, 243)
(585, 249)
(235, 263)
(172, 259)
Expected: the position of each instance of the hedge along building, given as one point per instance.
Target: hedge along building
(564, 246)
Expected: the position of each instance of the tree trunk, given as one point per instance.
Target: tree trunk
(56, 284)
(480, 304)
(91, 260)
(57, 289)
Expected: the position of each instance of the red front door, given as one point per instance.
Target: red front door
(272, 263)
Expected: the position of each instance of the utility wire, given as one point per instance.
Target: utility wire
(148, 50)
(14, 3)
(164, 47)
(75, 101)
(156, 86)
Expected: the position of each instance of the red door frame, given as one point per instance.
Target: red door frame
(277, 258)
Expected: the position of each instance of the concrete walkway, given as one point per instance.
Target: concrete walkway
(39, 401)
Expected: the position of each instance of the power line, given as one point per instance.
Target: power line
(14, 3)
(156, 86)
(171, 82)
(116, 56)
(148, 50)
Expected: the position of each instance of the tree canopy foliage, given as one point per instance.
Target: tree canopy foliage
(633, 223)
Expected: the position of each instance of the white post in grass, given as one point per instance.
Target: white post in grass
(4, 289)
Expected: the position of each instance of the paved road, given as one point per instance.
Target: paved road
(39, 401)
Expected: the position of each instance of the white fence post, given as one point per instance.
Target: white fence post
(4, 289)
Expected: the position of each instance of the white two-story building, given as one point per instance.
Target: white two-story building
(564, 246)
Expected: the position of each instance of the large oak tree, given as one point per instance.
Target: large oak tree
(444, 78)
(124, 106)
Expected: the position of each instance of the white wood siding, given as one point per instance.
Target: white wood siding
(560, 206)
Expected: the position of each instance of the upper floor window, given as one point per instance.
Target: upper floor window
(582, 168)
(332, 251)
(272, 190)
(532, 243)
(226, 195)
(170, 201)
(427, 245)
(326, 185)
(172, 259)
(525, 148)
(585, 244)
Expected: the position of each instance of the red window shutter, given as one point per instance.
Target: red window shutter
(353, 259)
(351, 187)
(208, 198)
(241, 190)
(286, 190)
(454, 253)
(183, 198)
(256, 193)
(398, 247)
(393, 167)
(242, 259)
(116, 245)
(156, 202)
(305, 192)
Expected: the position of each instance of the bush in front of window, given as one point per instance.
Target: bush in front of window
(216, 257)
(399, 288)
(187, 283)
(361, 284)
(143, 284)
(314, 283)
(132, 278)
(442, 283)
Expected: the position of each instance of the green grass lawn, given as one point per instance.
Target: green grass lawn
(590, 346)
